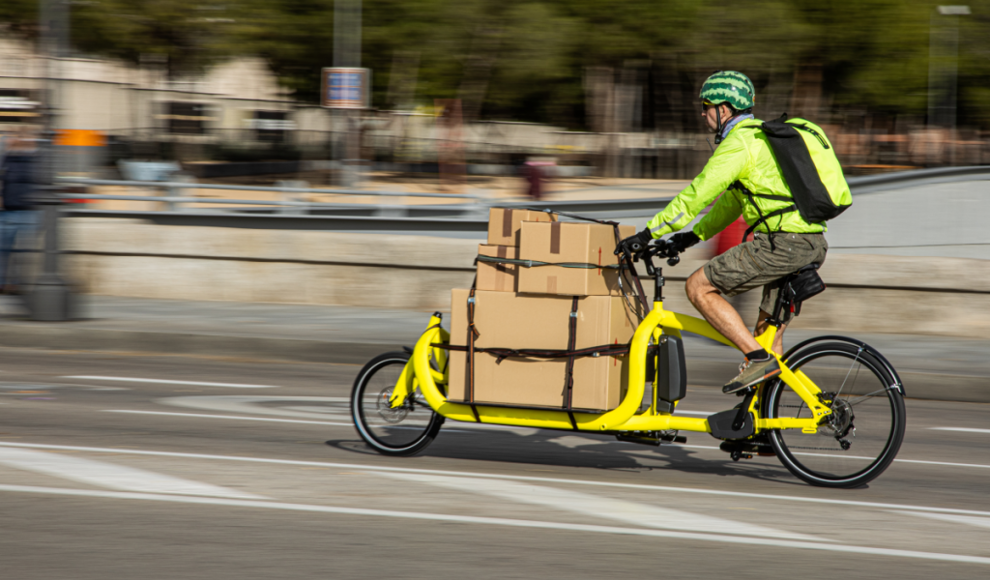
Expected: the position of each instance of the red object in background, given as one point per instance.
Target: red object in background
(731, 236)
(535, 173)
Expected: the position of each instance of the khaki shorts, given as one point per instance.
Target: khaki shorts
(753, 264)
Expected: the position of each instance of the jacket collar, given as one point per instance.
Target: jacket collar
(732, 123)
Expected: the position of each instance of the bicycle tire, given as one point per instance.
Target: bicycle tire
(404, 431)
(868, 414)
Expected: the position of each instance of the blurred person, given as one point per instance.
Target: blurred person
(18, 218)
(535, 171)
(743, 166)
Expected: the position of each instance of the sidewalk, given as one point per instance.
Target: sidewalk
(931, 367)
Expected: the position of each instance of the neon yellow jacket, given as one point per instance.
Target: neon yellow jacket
(745, 156)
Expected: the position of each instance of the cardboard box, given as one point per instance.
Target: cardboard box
(497, 277)
(511, 320)
(504, 224)
(585, 243)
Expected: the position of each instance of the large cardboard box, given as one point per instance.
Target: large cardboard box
(504, 224)
(511, 320)
(558, 242)
(494, 276)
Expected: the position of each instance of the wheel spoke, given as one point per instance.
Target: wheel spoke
(852, 379)
(401, 430)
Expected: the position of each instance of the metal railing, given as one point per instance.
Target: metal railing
(469, 217)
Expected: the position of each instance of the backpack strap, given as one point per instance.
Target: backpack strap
(763, 218)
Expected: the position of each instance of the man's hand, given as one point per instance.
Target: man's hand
(683, 240)
(636, 243)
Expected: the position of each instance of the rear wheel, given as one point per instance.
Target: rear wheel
(403, 430)
(861, 437)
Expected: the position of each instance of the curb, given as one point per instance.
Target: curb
(81, 338)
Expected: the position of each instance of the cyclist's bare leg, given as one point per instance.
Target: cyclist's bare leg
(761, 327)
(718, 312)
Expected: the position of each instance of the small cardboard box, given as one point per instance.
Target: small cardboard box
(504, 224)
(584, 243)
(511, 320)
(494, 276)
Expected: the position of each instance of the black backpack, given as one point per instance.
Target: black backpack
(795, 154)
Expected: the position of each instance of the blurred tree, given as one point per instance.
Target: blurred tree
(530, 59)
(21, 16)
(187, 35)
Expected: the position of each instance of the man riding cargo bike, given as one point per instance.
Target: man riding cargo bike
(745, 167)
(558, 333)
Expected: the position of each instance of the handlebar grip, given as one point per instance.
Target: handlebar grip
(673, 260)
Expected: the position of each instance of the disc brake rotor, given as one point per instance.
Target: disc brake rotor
(841, 418)
(385, 409)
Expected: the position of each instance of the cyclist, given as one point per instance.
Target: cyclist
(743, 164)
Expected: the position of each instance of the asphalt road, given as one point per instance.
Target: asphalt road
(225, 468)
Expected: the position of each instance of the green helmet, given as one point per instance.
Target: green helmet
(729, 86)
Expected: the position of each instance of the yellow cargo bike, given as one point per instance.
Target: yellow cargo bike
(835, 416)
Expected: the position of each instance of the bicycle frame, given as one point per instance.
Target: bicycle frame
(419, 373)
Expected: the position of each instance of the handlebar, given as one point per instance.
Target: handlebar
(659, 248)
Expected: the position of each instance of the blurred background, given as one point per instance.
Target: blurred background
(479, 87)
(231, 150)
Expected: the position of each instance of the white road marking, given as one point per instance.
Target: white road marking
(261, 405)
(256, 405)
(554, 480)
(238, 418)
(168, 382)
(625, 531)
(109, 475)
(228, 417)
(960, 429)
(638, 514)
(952, 518)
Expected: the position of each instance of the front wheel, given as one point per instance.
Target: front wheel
(861, 437)
(403, 430)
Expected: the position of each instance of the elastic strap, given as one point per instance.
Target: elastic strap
(473, 334)
(504, 353)
(571, 215)
(536, 264)
(571, 343)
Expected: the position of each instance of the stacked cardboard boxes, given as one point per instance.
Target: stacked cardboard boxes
(530, 308)
(504, 228)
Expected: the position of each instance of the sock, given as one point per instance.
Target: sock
(761, 354)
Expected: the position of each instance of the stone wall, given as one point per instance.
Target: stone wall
(867, 293)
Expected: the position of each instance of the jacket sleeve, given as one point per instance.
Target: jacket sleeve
(722, 170)
(725, 211)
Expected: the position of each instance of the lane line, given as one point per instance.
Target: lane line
(951, 518)
(960, 429)
(532, 524)
(240, 418)
(109, 475)
(555, 480)
(638, 514)
(169, 382)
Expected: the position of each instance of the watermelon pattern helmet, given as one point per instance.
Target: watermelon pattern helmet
(729, 86)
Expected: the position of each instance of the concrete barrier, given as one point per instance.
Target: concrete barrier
(867, 293)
